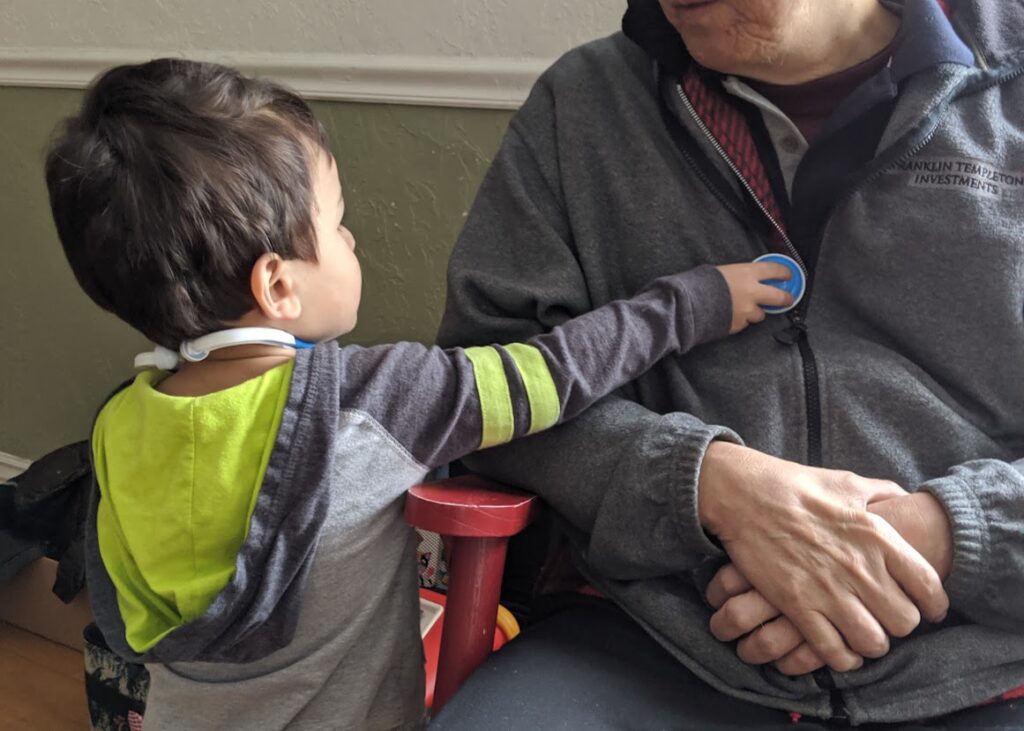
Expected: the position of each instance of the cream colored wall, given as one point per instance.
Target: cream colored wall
(469, 53)
(469, 29)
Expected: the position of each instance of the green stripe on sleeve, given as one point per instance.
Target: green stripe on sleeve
(540, 386)
(495, 399)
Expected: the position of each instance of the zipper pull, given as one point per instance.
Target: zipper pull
(792, 333)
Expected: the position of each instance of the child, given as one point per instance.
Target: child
(246, 538)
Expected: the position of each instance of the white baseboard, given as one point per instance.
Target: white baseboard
(11, 465)
(487, 83)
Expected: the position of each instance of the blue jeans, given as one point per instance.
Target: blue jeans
(589, 666)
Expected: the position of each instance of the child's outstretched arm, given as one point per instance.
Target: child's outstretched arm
(443, 404)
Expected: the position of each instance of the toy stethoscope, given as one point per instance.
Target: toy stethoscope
(197, 350)
(795, 285)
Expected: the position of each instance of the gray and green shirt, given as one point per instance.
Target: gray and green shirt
(249, 545)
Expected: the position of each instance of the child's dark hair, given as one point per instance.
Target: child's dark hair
(169, 184)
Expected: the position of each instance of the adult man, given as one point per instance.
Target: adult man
(877, 144)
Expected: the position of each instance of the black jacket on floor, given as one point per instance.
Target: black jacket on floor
(42, 512)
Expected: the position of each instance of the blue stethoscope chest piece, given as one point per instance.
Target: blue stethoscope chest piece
(795, 285)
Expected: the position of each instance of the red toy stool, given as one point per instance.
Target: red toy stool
(476, 517)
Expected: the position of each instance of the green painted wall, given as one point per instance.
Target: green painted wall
(410, 174)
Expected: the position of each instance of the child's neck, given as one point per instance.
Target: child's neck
(223, 369)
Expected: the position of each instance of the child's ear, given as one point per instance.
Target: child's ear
(273, 287)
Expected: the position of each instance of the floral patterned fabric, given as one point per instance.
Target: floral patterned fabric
(432, 566)
(116, 690)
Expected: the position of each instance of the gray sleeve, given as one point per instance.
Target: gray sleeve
(984, 500)
(442, 404)
(625, 477)
(622, 474)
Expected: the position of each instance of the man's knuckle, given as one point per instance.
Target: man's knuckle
(804, 665)
(831, 650)
(761, 643)
(801, 661)
(733, 614)
(750, 651)
(845, 477)
(906, 622)
(934, 589)
(874, 646)
(838, 655)
(856, 565)
(731, 581)
(941, 602)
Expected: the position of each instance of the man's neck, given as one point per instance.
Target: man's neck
(853, 32)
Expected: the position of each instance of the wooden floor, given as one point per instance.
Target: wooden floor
(41, 684)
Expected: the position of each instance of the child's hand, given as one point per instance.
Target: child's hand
(749, 294)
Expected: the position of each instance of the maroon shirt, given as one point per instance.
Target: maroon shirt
(809, 105)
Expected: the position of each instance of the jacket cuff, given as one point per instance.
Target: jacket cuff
(681, 476)
(970, 538)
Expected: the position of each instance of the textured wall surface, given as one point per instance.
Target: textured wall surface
(541, 29)
(409, 175)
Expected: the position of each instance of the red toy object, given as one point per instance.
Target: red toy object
(506, 629)
(477, 518)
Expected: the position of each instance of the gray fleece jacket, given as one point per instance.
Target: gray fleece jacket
(318, 626)
(907, 361)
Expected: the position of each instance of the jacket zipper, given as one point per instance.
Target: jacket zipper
(968, 35)
(791, 334)
(796, 333)
(840, 716)
(743, 181)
